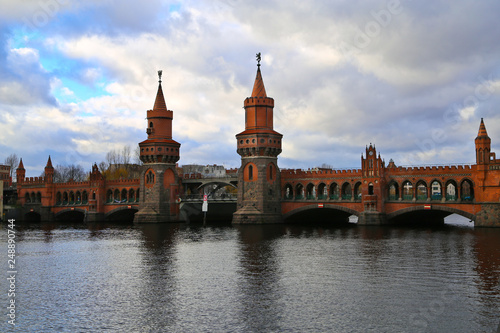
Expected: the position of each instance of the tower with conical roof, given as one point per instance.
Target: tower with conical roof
(49, 172)
(20, 172)
(259, 191)
(483, 145)
(159, 179)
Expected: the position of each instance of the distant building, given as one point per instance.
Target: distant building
(205, 171)
(5, 175)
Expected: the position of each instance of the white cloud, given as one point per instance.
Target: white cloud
(393, 92)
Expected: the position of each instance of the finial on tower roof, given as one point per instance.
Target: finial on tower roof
(159, 75)
(258, 59)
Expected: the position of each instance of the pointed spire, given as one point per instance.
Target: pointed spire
(258, 87)
(482, 130)
(160, 104)
(49, 164)
(21, 166)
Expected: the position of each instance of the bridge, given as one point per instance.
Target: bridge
(404, 193)
(259, 192)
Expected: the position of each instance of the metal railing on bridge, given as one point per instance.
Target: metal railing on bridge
(199, 197)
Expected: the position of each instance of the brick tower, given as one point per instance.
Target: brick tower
(373, 169)
(20, 172)
(483, 145)
(159, 179)
(259, 179)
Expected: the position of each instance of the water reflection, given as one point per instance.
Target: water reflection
(259, 278)
(158, 276)
(187, 278)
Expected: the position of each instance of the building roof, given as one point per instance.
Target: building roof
(160, 104)
(482, 130)
(258, 87)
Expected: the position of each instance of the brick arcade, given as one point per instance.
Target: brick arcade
(376, 193)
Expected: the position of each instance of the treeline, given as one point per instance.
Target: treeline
(118, 164)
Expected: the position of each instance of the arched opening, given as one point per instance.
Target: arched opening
(421, 191)
(451, 190)
(271, 172)
(116, 195)
(393, 191)
(250, 172)
(299, 192)
(150, 124)
(346, 191)
(121, 215)
(407, 191)
(124, 196)
(78, 198)
(27, 198)
(288, 192)
(72, 216)
(322, 192)
(33, 197)
(334, 191)
(466, 191)
(329, 215)
(370, 189)
(32, 217)
(436, 193)
(65, 198)
(131, 195)
(150, 177)
(358, 191)
(71, 198)
(109, 196)
(38, 197)
(310, 192)
(137, 195)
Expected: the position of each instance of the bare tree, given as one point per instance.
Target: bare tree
(112, 157)
(125, 156)
(103, 166)
(137, 155)
(13, 161)
(63, 174)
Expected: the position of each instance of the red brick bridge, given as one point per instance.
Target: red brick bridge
(97, 199)
(393, 193)
(376, 193)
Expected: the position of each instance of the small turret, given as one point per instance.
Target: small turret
(20, 172)
(483, 145)
(49, 172)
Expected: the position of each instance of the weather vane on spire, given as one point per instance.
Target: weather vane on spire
(159, 74)
(258, 59)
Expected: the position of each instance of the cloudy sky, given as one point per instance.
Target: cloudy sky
(412, 77)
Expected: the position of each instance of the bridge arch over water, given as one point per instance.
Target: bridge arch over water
(121, 214)
(327, 213)
(71, 214)
(419, 213)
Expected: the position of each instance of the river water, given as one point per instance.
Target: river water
(276, 278)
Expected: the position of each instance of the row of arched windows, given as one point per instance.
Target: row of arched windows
(123, 196)
(447, 191)
(335, 191)
(33, 198)
(82, 197)
(73, 198)
(405, 191)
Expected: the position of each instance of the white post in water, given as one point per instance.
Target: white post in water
(204, 208)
